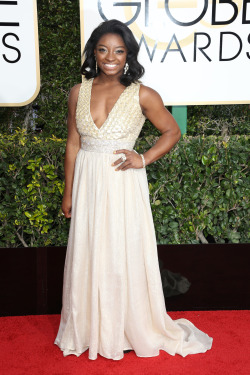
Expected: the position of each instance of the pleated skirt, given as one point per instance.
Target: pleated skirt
(112, 291)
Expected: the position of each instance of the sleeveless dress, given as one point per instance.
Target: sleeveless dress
(112, 291)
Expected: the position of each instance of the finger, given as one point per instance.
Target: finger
(123, 151)
(66, 212)
(122, 165)
(118, 161)
(126, 166)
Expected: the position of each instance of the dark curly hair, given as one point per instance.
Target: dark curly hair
(135, 70)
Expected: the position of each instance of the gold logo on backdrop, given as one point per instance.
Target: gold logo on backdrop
(173, 4)
(161, 4)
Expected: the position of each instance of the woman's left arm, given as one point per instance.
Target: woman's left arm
(153, 108)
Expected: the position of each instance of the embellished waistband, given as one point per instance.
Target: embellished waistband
(105, 145)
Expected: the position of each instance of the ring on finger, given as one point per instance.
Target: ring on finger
(123, 157)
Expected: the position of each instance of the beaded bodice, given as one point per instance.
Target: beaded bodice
(124, 122)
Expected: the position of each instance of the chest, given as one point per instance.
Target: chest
(106, 115)
(102, 102)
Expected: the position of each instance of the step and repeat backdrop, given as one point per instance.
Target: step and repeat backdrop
(194, 51)
(19, 53)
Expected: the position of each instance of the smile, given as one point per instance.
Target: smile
(111, 65)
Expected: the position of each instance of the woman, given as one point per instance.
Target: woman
(112, 294)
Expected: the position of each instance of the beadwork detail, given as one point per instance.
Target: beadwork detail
(105, 145)
(121, 123)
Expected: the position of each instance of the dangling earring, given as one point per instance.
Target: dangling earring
(96, 66)
(126, 67)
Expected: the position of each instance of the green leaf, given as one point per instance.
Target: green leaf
(204, 160)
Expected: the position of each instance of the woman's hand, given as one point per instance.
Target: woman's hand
(66, 206)
(133, 160)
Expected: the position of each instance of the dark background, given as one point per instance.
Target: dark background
(31, 278)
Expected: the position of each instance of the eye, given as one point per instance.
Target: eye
(101, 49)
(120, 51)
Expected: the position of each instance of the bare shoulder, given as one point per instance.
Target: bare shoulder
(149, 97)
(147, 91)
(73, 97)
(74, 92)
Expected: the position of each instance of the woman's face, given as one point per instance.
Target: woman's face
(111, 54)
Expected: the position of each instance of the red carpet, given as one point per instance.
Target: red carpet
(26, 347)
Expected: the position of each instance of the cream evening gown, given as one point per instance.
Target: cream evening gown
(112, 292)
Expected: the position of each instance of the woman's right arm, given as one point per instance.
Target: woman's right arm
(72, 147)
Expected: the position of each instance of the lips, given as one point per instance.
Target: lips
(110, 66)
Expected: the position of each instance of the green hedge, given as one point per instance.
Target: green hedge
(31, 188)
(199, 190)
(221, 120)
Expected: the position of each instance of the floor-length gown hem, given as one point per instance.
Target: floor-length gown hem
(67, 352)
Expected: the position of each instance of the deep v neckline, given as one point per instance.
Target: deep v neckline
(90, 94)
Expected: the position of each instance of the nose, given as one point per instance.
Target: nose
(110, 56)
